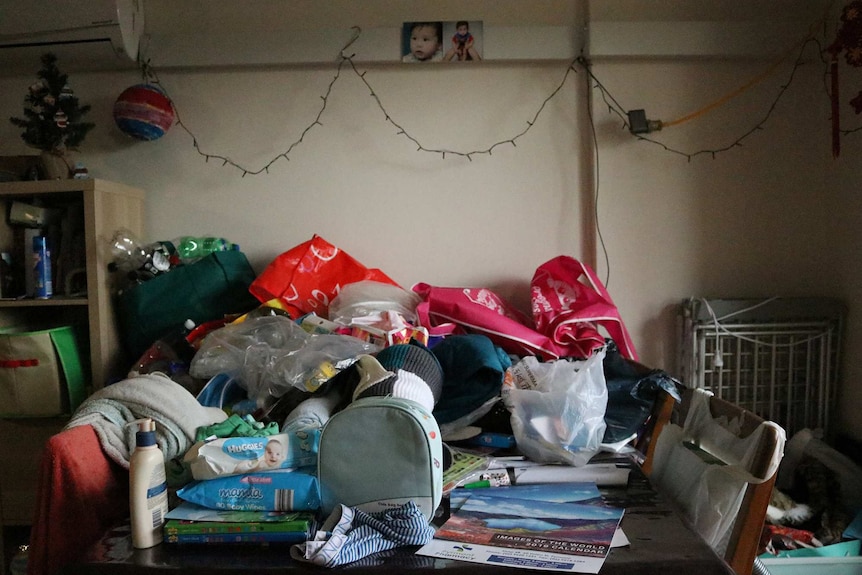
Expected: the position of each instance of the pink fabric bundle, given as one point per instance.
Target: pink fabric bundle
(569, 304)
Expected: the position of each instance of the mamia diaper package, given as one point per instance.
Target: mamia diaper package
(280, 490)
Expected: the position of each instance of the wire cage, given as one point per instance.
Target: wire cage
(777, 357)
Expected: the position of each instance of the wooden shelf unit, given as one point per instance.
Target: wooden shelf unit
(98, 208)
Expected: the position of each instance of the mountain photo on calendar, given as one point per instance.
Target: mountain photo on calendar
(583, 493)
(568, 528)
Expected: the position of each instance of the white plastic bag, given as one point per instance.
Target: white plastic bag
(709, 494)
(558, 408)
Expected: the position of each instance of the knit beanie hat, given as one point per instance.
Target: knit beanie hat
(417, 359)
(408, 371)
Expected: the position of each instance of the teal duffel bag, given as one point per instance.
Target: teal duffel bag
(208, 289)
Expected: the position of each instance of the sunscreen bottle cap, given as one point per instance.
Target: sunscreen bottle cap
(146, 434)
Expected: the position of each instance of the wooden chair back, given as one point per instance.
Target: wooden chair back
(744, 540)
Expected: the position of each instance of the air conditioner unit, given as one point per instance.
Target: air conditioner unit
(84, 34)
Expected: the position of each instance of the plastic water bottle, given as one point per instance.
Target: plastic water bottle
(190, 248)
(127, 252)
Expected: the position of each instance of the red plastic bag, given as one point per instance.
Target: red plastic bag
(308, 276)
(447, 310)
(570, 302)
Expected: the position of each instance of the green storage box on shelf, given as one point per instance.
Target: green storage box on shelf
(40, 372)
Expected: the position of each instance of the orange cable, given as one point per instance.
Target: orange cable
(727, 97)
(744, 87)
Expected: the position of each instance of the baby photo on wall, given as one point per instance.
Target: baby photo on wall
(465, 41)
(457, 41)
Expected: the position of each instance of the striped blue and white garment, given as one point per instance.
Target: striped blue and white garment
(349, 534)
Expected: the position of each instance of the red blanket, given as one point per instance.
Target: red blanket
(81, 493)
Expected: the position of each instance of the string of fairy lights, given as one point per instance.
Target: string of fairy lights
(149, 73)
(580, 63)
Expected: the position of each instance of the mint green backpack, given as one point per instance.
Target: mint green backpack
(377, 454)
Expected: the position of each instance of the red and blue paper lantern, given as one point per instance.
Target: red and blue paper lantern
(144, 112)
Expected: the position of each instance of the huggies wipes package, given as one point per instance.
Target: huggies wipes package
(240, 455)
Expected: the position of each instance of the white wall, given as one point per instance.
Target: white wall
(747, 222)
(766, 218)
(844, 230)
(354, 180)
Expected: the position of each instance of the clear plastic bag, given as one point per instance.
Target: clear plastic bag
(371, 298)
(558, 408)
(268, 355)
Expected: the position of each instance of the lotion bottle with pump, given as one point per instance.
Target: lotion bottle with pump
(148, 489)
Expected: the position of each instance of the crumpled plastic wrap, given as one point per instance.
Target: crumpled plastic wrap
(269, 355)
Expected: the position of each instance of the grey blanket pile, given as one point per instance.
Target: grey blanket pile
(113, 410)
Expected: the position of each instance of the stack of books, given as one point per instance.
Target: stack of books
(190, 523)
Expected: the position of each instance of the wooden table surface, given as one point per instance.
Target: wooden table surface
(661, 542)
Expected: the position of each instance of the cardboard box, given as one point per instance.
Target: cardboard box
(40, 372)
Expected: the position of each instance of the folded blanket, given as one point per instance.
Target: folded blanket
(80, 494)
(175, 411)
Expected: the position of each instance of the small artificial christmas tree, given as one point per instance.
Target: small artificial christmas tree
(52, 114)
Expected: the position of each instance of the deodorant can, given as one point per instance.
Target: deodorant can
(42, 268)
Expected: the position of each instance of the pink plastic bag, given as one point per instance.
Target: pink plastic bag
(570, 303)
(448, 310)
